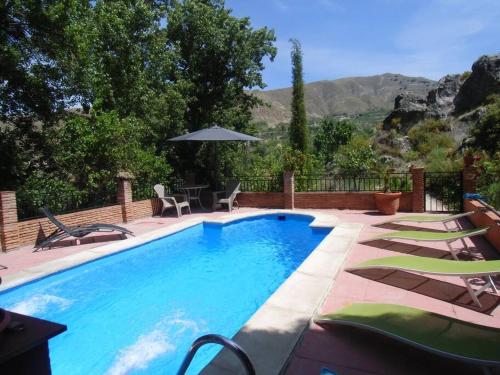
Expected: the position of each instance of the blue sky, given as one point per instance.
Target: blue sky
(342, 38)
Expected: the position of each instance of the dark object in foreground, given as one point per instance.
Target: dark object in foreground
(26, 351)
(79, 231)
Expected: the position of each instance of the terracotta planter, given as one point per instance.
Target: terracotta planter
(470, 160)
(387, 203)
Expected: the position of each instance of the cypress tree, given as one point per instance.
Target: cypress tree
(299, 136)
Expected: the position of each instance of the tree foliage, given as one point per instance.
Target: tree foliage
(218, 57)
(299, 135)
(331, 135)
(356, 157)
(140, 72)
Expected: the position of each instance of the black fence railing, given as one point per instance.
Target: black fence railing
(269, 184)
(343, 183)
(29, 202)
(141, 191)
(443, 191)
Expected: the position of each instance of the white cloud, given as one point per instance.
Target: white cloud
(331, 5)
(281, 5)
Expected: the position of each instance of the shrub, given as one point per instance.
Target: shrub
(465, 75)
(489, 178)
(486, 133)
(431, 134)
(356, 158)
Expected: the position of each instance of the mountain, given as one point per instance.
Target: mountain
(452, 98)
(354, 95)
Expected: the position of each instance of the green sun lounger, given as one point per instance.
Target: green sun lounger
(443, 267)
(448, 237)
(430, 219)
(428, 331)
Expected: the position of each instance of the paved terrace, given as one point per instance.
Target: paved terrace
(344, 350)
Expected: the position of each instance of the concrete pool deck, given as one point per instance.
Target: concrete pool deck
(282, 325)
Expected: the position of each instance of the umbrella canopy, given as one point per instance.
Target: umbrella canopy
(215, 134)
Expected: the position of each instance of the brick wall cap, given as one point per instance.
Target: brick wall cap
(416, 168)
(123, 175)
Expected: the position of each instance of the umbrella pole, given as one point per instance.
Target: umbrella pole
(216, 166)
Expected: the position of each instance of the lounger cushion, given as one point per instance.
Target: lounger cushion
(432, 265)
(433, 332)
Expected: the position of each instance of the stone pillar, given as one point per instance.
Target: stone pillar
(418, 190)
(9, 234)
(289, 190)
(469, 176)
(124, 194)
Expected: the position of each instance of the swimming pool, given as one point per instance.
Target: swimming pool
(139, 310)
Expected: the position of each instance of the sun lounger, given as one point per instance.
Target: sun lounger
(443, 267)
(171, 201)
(429, 219)
(80, 231)
(447, 237)
(435, 333)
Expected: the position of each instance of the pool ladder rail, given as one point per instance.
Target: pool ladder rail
(221, 340)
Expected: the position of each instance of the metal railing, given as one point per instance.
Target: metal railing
(443, 191)
(29, 202)
(344, 183)
(268, 184)
(221, 340)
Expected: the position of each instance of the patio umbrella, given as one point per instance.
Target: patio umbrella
(215, 134)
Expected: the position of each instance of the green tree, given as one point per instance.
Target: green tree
(90, 150)
(33, 84)
(331, 135)
(220, 57)
(299, 134)
(31, 36)
(355, 158)
(123, 63)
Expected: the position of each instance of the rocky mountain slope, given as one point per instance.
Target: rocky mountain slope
(352, 95)
(457, 97)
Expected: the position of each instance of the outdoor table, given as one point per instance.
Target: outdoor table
(193, 193)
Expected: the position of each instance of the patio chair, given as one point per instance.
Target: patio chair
(447, 237)
(443, 267)
(429, 219)
(435, 333)
(169, 202)
(229, 199)
(79, 231)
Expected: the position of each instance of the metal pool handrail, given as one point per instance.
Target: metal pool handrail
(221, 340)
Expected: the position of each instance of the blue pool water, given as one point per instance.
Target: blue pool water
(138, 311)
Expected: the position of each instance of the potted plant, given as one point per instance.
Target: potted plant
(387, 202)
(470, 158)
